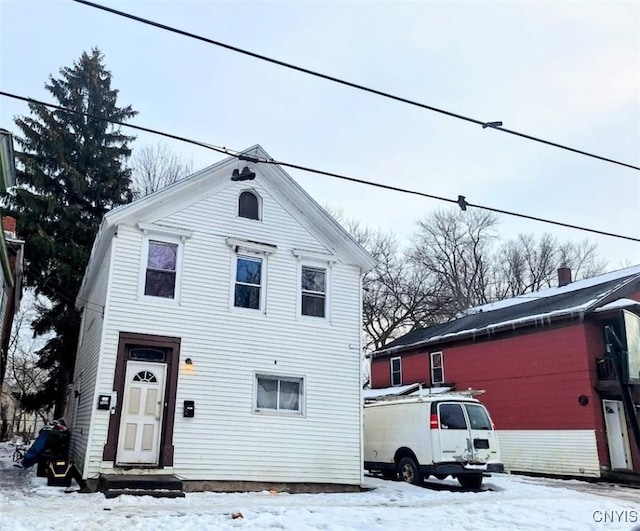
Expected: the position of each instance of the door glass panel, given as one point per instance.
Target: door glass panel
(452, 417)
(478, 417)
(145, 376)
(147, 354)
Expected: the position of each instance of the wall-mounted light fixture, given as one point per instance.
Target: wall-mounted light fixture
(189, 361)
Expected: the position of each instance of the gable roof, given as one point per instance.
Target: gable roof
(573, 300)
(291, 196)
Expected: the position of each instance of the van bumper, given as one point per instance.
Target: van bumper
(453, 469)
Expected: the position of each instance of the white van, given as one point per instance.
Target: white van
(431, 435)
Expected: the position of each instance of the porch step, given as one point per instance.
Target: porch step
(155, 493)
(158, 486)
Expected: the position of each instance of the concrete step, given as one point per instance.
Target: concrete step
(155, 493)
(159, 486)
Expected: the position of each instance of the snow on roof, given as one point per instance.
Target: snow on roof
(620, 303)
(551, 292)
(410, 390)
(574, 300)
(373, 394)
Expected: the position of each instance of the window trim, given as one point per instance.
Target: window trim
(263, 281)
(399, 359)
(255, 193)
(162, 237)
(441, 367)
(325, 293)
(316, 264)
(301, 380)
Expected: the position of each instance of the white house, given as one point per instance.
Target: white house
(221, 335)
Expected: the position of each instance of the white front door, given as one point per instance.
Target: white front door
(142, 407)
(617, 435)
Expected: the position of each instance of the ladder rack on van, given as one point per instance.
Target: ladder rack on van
(426, 393)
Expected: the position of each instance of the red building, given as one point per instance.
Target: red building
(549, 381)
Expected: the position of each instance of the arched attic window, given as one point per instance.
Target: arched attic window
(249, 205)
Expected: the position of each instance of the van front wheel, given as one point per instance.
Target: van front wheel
(470, 481)
(409, 472)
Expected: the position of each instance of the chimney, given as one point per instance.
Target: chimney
(564, 276)
(9, 225)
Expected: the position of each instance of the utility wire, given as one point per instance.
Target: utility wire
(461, 201)
(485, 125)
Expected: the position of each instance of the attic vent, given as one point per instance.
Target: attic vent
(249, 205)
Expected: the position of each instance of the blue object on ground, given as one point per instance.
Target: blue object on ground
(39, 446)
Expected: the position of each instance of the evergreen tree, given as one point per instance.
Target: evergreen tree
(71, 172)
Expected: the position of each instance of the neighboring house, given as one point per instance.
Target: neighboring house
(221, 335)
(541, 358)
(10, 254)
(14, 421)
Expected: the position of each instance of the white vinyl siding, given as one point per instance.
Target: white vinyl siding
(557, 452)
(229, 348)
(86, 369)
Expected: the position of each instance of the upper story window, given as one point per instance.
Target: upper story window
(248, 282)
(313, 291)
(162, 261)
(437, 368)
(396, 371)
(249, 205)
(249, 273)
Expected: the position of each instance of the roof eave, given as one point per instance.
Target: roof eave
(488, 330)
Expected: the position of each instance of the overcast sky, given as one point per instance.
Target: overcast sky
(568, 72)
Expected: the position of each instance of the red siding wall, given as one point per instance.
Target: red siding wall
(532, 380)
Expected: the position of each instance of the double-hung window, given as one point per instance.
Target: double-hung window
(313, 291)
(248, 282)
(437, 368)
(161, 261)
(249, 273)
(160, 277)
(396, 371)
(277, 393)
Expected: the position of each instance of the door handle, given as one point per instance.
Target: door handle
(158, 410)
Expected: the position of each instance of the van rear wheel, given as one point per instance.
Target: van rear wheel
(409, 472)
(470, 481)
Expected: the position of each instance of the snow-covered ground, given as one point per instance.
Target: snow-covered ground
(506, 502)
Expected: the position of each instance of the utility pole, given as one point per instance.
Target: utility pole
(616, 351)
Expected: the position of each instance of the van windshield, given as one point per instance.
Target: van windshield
(478, 417)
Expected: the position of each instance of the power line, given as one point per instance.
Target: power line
(461, 201)
(485, 125)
